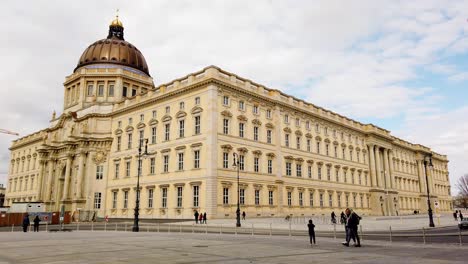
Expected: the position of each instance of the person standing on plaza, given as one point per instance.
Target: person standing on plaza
(200, 219)
(461, 215)
(311, 228)
(243, 215)
(333, 217)
(342, 218)
(352, 223)
(36, 223)
(204, 217)
(26, 223)
(455, 215)
(196, 216)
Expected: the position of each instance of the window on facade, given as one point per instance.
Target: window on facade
(330, 200)
(345, 176)
(308, 124)
(318, 147)
(181, 128)
(337, 176)
(127, 169)
(124, 91)
(97, 200)
(90, 90)
(286, 140)
(257, 197)
(308, 145)
(357, 156)
(179, 196)
(140, 164)
(309, 171)
(168, 109)
(256, 164)
(269, 136)
(255, 109)
(339, 200)
(241, 130)
(197, 125)
(241, 162)
(289, 199)
(125, 205)
(255, 133)
(286, 118)
(225, 160)
(142, 118)
(351, 155)
(153, 135)
(241, 105)
(226, 100)
(319, 173)
(196, 159)
(167, 131)
(344, 153)
(298, 142)
(164, 197)
(166, 163)
(150, 198)
(225, 126)
(242, 196)
(134, 92)
(317, 128)
(336, 151)
(181, 105)
(327, 149)
(321, 199)
(360, 178)
(99, 172)
(311, 199)
(270, 197)
(347, 200)
(196, 194)
(298, 122)
(130, 121)
(141, 138)
(268, 113)
(114, 200)
(328, 173)
(119, 124)
(270, 166)
(152, 165)
(298, 170)
(129, 142)
(111, 90)
(301, 201)
(119, 143)
(181, 161)
(225, 195)
(288, 168)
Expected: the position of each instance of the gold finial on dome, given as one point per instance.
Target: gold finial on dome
(116, 21)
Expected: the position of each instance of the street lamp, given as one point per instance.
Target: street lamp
(426, 162)
(136, 228)
(236, 165)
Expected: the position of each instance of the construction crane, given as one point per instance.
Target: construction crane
(8, 132)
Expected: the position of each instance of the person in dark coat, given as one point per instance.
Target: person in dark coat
(455, 215)
(311, 227)
(342, 218)
(243, 215)
(200, 219)
(204, 218)
(26, 223)
(352, 223)
(461, 216)
(196, 216)
(333, 217)
(36, 223)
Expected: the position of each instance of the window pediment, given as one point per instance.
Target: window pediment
(181, 114)
(242, 118)
(270, 125)
(298, 133)
(141, 125)
(166, 118)
(308, 135)
(226, 113)
(129, 129)
(196, 110)
(256, 122)
(287, 130)
(153, 122)
(118, 131)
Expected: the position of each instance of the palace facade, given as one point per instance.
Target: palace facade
(293, 157)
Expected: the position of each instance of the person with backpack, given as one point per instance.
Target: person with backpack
(352, 223)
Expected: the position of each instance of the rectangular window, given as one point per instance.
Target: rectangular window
(226, 100)
(241, 105)
(298, 170)
(255, 133)
(129, 142)
(241, 130)
(150, 198)
(114, 200)
(164, 197)
(168, 109)
(90, 90)
(269, 136)
(153, 135)
(125, 205)
(288, 168)
(225, 126)
(117, 170)
(179, 196)
(124, 91)
(257, 197)
(336, 152)
(268, 113)
(241, 162)
(345, 174)
(181, 161)
(286, 140)
(339, 200)
(154, 113)
(97, 200)
(181, 105)
(152, 165)
(256, 164)
(318, 147)
(330, 200)
(308, 145)
(317, 128)
(321, 200)
(242, 196)
(196, 159)
(197, 100)
(311, 199)
(301, 202)
(289, 198)
(337, 175)
(270, 197)
(225, 160)
(328, 173)
(270, 166)
(298, 122)
(255, 109)
(142, 118)
(166, 163)
(140, 164)
(298, 142)
(119, 143)
(286, 119)
(141, 138)
(167, 131)
(309, 171)
(127, 169)
(319, 173)
(225, 196)
(196, 193)
(347, 201)
(327, 149)
(351, 155)
(100, 89)
(99, 172)
(181, 128)
(197, 125)
(111, 90)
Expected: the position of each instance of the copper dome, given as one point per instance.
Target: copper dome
(114, 50)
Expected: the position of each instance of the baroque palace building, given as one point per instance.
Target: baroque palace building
(294, 157)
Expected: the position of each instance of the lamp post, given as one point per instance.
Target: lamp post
(237, 165)
(429, 210)
(135, 227)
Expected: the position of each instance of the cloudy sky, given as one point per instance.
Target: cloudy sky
(400, 65)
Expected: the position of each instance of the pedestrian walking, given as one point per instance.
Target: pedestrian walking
(243, 215)
(333, 217)
(342, 218)
(36, 223)
(461, 216)
(26, 223)
(311, 228)
(204, 218)
(455, 215)
(196, 217)
(352, 223)
(200, 219)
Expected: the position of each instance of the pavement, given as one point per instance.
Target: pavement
(128, 247)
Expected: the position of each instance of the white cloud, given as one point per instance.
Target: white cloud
(462, 76)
